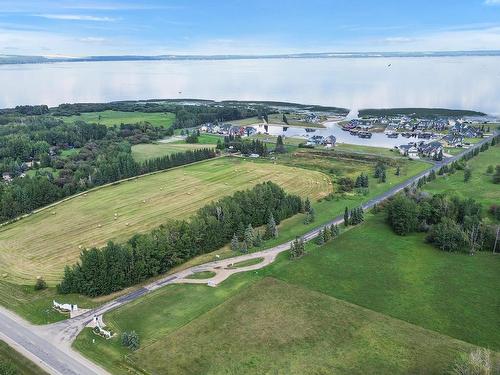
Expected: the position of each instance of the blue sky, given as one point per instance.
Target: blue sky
(92, 27)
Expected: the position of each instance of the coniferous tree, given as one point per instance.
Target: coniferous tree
(327, 234)
(257, 241)
(244, 247)
(280, 147)
(346, 217)
(271, 228)
(249, 236)
(235, 243)
(307, 205)
(383, 176)
(320, 238)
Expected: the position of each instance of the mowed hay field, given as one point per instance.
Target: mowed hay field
(110, 118)
(144, 151)
(43, 243)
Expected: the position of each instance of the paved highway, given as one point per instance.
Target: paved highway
(50, 346)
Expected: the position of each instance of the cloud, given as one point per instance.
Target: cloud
(92, 39)
(76, 17)
(492, 2)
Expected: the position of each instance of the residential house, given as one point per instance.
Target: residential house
(431, 149)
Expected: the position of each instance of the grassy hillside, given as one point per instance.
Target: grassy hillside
(254, 325)
(43, 243)
(407, 279)
(10, 360)
(110, 118)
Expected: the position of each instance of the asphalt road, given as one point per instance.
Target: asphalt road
(50, 346)
(32, 343)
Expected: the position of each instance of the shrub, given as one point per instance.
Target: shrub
(130, 340)
(40, 283)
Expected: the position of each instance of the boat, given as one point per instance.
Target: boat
(364, 135)
(392, 135)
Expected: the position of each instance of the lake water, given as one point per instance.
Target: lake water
(451, 82)
(341, 136)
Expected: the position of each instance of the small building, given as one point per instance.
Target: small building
(409, 150)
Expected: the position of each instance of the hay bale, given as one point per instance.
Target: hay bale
(99, 225)
(116, 213)
(116, 218)
(53, 212)
(127, 224)
(80, 247)
(143, 201)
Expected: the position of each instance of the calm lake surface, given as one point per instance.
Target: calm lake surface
(458, 82)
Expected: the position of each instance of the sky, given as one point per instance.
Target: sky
(208, 27)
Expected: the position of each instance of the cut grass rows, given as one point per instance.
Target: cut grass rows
(110, 118)
(43, 243)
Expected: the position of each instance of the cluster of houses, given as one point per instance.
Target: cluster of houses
(8, 177)
(320, 140)
(457, 129)
(456, 137)
(227, 129)
(414, 150)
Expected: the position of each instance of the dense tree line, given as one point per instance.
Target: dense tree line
(186, 116)
(451, 223)
(115, 163)
(245, 146)
(116, 266)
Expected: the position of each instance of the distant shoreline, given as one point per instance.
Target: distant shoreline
(22, 59)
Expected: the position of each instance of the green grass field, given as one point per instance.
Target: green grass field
(414, 310)
(43, 243)
(201, 275)
(144, 151)
(19, 364)
(480, 186)
(246, 263)
(275, 328)
(405, 278)
(110, 118)
(379, 151)
(252, 324)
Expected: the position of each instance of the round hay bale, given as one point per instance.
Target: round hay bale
(116, 213)
(80, 247)
(143, 201)
(127, 224)
(116, 218)
(99, 225)
(53, 212)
